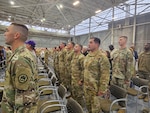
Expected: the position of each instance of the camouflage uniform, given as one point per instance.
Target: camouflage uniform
(56, 64)
(62, 55)
(67, 79)
(96, 79)
(144, 65)
(8, 55)
(77, 75)
(46, 56)
(122, 67)
(20, 91)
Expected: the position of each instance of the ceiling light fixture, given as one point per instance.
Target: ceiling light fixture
(61, 6)
(114, 18)
(43, 19)
(9, 19)
(76, 3)
(12, 2)
(98, 11)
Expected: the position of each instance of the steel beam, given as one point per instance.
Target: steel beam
(134, 24)
(112, 29)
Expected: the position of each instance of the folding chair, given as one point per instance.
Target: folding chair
(73, 106)
(120, 94)
(57, 104)
(142, 89)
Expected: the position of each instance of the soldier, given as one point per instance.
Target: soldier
(77, 74)
(46, 56)
(56, 62)
(30, 45)
(84, 50)
(8, 52)
(62, 55)
(68, 58)
(20, 93)
(144, 67)
(96, 76)
(112, 50)
(122, 65)
(144, 63)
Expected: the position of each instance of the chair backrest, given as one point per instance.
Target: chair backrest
(50, 74)
(53, 80)
(73, 106)
(118, 92)
(139, 81)
(62, 91)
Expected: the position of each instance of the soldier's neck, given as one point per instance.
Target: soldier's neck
(94, 50)
(78, 52)
(123, 47)
(16, 45)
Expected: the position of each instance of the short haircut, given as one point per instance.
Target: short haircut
(111, 47)
(80, 46)
(22, 29)
(148, 44)
(9, 47)
(96, 40)
(64, 44)
(124, 37)
(72, 43)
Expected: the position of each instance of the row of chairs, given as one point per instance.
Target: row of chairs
(57, 94)
(48, 85)
(139, 87)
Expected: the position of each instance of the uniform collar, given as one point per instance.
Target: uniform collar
(123, 48)
(93, 53)
(19, 48)
(147, 52)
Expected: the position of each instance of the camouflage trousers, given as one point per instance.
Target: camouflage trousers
(66, 81)
(6, 108)
(92, 102)
(77, 94)
(119, 82)
(143, 75)
(61, 74)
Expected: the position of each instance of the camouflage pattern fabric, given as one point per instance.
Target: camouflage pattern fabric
(122, 67)
(96, 79)
(67, 79)
(20, 91)
(144, 65)
(56, 64)
(62, 55)
(77, 76)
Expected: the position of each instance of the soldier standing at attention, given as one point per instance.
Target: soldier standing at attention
(30, 45)
(62, 55)
(144, 66)
(122, 65)
(77, 74)
(20, 93)
(96, 76)
(46, 56)
(56, 62)
(144, 63)
(68, 58)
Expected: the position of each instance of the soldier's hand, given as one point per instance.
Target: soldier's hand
(127, 82)
(80, 82)
(105, 95)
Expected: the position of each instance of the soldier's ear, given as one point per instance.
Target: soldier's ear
(17, 35)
